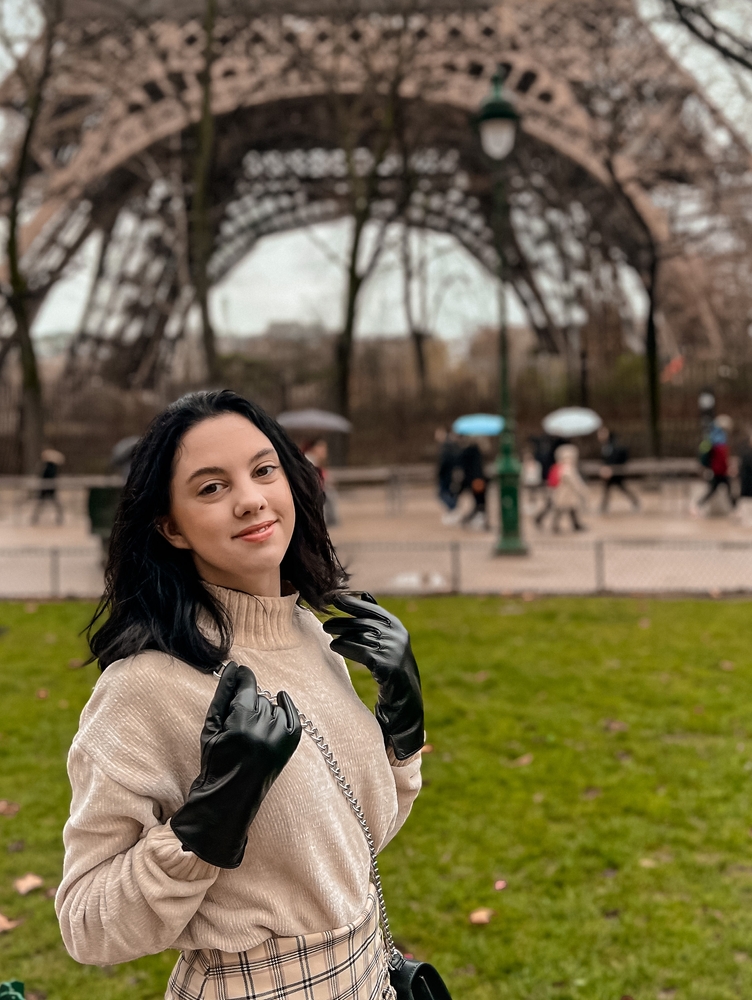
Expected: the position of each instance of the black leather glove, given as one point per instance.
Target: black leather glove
(245, 743)
(381, 642)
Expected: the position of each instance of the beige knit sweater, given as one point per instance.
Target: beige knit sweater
(128, 887)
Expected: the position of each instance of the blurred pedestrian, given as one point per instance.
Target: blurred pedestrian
(545, 455)
(570, 492)
(614, 454)
(474, 481)
(51, 460)
(448, 471)
(317, 453)
(531, 475)
(744, 503)
(714, 455)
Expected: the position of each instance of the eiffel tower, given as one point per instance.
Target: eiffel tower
(621, 159)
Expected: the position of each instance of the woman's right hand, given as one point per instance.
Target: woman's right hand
(245, 743)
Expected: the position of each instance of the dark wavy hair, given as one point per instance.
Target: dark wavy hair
(153, 593)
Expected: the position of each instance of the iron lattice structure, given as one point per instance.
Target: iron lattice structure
(621, 159)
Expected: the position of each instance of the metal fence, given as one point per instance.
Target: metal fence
(595, 566)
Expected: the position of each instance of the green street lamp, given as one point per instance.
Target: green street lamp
(497, 124)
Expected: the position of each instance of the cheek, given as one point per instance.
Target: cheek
(285, 507)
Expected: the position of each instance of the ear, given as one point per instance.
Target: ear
(169, 530)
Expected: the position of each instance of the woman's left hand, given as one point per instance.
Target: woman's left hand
(380, 641)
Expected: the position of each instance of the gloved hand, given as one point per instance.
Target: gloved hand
(245, 743)
(381, 642)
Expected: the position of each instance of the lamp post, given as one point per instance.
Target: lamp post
(497, 124)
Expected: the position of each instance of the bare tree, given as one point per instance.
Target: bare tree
(701, 19)
(32, 60)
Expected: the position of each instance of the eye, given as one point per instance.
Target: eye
(209, 490)
(266, 470)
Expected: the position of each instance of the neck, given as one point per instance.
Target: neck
(267, 584)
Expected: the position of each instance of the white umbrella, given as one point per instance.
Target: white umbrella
(317, 421)
(571, 421)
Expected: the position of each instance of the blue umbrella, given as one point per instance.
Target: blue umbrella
(478, 425)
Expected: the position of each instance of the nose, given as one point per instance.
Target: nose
(250, 499)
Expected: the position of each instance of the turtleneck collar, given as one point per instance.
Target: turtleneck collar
(259, 622)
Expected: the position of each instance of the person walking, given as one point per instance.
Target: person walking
(614, 454)
(545, 454)
(317, 453)
(715, 454)
(570, 492)
(446, 471)
(744, 501)
(475, 482)
(203, 816)
(52, 460)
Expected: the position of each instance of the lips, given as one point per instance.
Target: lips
(257, 532)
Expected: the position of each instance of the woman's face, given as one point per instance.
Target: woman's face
(231, 505)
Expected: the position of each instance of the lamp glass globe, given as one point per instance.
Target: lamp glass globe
(497, 137)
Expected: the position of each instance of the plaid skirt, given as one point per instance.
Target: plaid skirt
(344, 964)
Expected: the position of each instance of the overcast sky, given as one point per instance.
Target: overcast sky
(297, 276)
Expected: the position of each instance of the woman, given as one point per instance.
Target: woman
(201, 819)
(570, 492)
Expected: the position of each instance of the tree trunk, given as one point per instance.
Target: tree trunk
(32, 408)
(343, 358)
(652, 362)
(201, 227)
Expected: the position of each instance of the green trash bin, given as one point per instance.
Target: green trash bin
(103, 503)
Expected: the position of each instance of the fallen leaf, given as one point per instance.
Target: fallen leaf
(615, 726)
(500, 884)
(644, 623)
(667, 994)
(27, 883)
(482, 915)
(523, 761)
(75, 663)
(648, 863)
(591, 793)
(741, 956)
(538, 798)
(727, 664)
(51, 892)
(15, 846)
(43, 693)
(30, 607)
(481, 676)
(6, 924)
(427, 748)
(8, 808)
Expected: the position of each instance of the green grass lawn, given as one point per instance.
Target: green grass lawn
(595, 754)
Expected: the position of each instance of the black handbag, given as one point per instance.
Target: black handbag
(411, 980)
(416, 980)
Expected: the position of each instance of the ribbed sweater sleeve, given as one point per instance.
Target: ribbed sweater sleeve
(128, 887)
(407, 781)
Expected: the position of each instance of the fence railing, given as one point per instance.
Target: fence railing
(594, 566)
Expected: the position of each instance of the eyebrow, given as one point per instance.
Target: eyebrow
(217, 470)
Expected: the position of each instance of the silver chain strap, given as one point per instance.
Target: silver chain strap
(393, 954)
